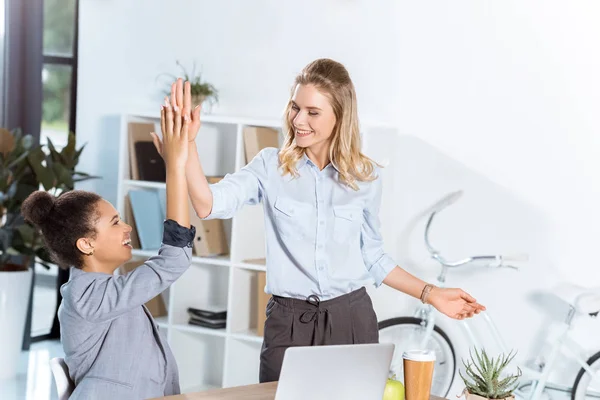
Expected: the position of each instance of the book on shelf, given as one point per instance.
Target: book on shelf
(213, 317)
(218, 324)
(208, 312)
(149, 216)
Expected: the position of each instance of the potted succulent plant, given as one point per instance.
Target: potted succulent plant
(201, 91)
(485, 378)
(24, 168)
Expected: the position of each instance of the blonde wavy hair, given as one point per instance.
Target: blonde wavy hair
(332, 79)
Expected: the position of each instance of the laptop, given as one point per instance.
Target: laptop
(348, 372)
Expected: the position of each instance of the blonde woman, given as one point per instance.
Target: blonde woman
(321, 198)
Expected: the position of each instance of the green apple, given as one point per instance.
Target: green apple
(394, 390)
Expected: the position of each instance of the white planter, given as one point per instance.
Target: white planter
(14, 296)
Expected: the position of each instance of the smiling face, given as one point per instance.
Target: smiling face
(321, 122)
(111, 245)
(311, 117)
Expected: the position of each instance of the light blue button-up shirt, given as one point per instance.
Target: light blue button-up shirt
(322, 237)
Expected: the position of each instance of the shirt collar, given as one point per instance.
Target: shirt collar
(305, 160)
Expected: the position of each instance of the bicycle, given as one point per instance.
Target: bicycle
(420, 330)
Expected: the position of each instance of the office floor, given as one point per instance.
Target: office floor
(34, 380)
(44, 305)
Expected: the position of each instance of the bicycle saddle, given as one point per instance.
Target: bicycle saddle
(584, 300)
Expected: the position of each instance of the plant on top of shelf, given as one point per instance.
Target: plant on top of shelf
(201, 90)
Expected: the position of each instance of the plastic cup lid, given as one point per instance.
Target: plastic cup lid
(419, 355)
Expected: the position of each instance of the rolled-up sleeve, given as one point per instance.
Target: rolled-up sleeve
(377, 261)
(240, 188)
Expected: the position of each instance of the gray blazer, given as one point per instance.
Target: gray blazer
(112, 345)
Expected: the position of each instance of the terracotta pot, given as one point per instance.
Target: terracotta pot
(197, 99)
(470, 396)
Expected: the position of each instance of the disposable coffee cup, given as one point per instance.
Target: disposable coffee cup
(418, 373)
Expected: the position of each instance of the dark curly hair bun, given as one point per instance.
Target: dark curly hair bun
(37, 207)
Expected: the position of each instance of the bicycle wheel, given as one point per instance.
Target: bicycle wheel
(405, 333)
(584, 387)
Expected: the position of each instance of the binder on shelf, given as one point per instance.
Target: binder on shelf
(210, 237)
(150, 164)
(257, 138)
(262, 299)
(148, 216)
(138, 132)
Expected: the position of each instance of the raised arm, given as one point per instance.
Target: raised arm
(199, 191)
(221, 200)
(99, 297)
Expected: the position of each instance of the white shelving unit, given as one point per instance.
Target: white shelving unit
(209, 358)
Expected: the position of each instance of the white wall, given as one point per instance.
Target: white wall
(499, 99)
(250, 50)
(511, 89)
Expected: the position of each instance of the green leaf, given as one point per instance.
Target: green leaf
(21, 159)
(483, 375)
(44, 264)
(27, 233)
(78, 153)
(44, 175)
(69, 150)
(63, 176)
(43, 254)
(51, 146)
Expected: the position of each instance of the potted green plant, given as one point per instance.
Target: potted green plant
(201, 91)
(485, 378)
(24, 168)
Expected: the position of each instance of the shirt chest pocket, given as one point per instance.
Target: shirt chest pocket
(346, 223)
(293, 219)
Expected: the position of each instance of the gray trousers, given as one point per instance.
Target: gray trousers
(347, 319)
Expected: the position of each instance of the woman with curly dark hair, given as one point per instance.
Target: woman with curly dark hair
(112, 345)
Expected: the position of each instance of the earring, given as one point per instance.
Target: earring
(91, 253)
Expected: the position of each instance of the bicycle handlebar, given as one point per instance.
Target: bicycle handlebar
(446, 201)
(496, 261)
(516, 258)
